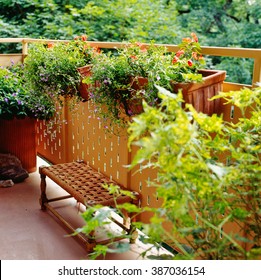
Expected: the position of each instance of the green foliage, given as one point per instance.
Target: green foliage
(17, 100)
(194, 181)
(232, 66)
(101, 20)
(127, 20)
(50, 71)
(223, 20)
(203, 195)
(52, 68)
(110, 83)
(115, 80)
(226, 23)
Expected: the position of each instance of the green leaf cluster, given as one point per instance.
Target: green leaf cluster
(211, 204)
(18, 100)
(202, 193)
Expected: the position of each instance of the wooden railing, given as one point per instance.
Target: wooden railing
(84, 137)
(255, 54)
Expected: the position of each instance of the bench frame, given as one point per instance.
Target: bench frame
(89, 191)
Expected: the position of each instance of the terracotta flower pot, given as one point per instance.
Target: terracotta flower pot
(198, 94)
(133, 106)
(138, 83)
(85, 72)
(18, 137)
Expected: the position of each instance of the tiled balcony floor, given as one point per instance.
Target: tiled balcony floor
(28, 233)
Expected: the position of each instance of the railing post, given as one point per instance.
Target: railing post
(24, 49)
(256, 71)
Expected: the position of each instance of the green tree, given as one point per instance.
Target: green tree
(217, 22)
(222, 22)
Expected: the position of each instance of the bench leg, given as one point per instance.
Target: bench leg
(126, 218)
(134, 236)
(43, 198)
(133, 230)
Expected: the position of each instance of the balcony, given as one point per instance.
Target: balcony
(82, 138)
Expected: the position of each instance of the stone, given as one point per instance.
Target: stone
(11, 169)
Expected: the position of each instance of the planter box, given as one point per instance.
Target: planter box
(198, 94)
(18, 137)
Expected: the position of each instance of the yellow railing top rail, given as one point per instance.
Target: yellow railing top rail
(28, 40)
(219, 51)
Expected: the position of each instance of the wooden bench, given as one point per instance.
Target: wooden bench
(85, 184)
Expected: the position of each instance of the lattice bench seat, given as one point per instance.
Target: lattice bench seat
(85, 184)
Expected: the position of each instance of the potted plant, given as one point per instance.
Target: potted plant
(146, 63)
(88, 52)
(109, 85)
(19, 108)
(197, 85)
(176, 71)
(121, 80)
(129, 76)
(52, 68)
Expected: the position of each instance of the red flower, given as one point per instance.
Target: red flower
(179, 53)
(141, 46)
(190, 63)
(133, 57)
(50, 45)
(84, 38)
(175, 59)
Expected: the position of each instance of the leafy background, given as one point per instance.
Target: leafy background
(227, 23)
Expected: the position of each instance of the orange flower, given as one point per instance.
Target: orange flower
(50, 45)
(194, 36)
(186, 40)
(195, 55)
(96, 49)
